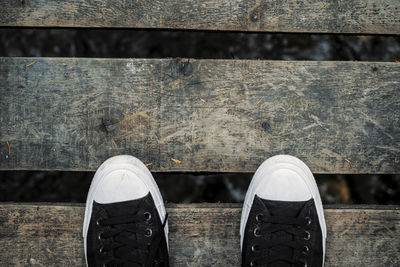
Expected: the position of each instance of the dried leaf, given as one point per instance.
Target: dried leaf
(176, 161)
(258, 102)
(9, 148)
(30, 64)
(348, 161)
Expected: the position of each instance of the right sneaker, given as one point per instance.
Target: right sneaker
(282, 221)
(125, 219)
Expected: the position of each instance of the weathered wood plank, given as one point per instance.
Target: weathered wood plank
(315, 16)
(200, 235)
(212, 115)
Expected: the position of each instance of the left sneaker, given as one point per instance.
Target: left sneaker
(282, 221)
(125, 219)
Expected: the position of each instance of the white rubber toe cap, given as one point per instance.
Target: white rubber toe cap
(120, 185)
(284, 184)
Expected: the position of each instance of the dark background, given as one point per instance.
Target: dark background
(195, 187)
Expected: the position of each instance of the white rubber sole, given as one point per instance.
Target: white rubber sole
(128, 163)
(293, 164)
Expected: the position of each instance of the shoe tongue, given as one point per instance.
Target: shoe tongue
(283, 208)
(126, 207)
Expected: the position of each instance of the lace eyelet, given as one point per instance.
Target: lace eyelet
(259, 217)
(147, 215)
(308, 220)
(307, 236)
(254, 248)
(253, 263)
(99, 222)
(305, 249)
(257, 232)
(149, 232)
(305, 264)
(100, 236)
(101, 250)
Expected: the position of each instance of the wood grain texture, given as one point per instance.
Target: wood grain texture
(314, 16)
(211, 115)
(200, 235)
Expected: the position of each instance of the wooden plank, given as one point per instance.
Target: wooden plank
(200, 235)
(212, 115)
(314, 16)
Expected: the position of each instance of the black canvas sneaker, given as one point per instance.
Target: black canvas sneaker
(125, 219)
(282, 221)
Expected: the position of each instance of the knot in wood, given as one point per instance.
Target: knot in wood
(186, 68)
(109, 124)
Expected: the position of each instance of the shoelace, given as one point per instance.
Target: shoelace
(122, 245)
(280, 232)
